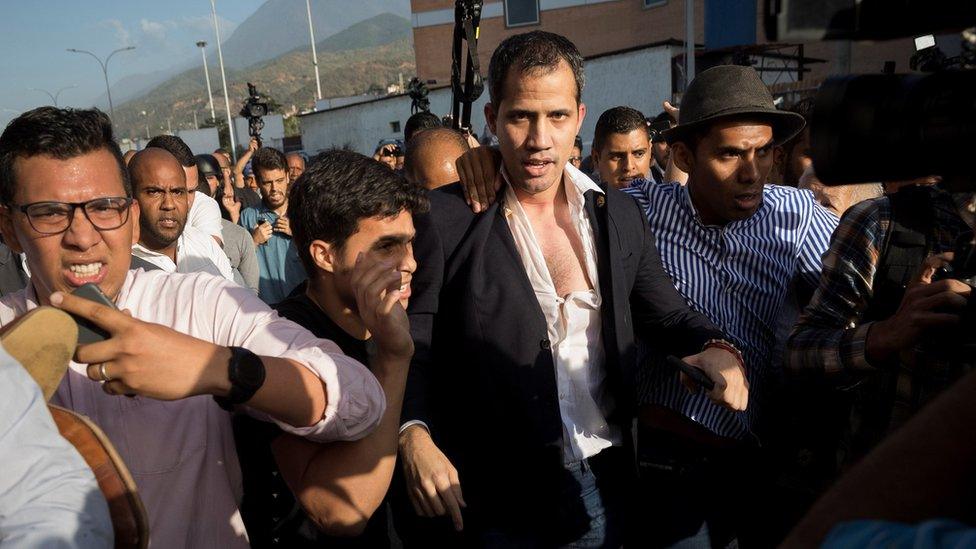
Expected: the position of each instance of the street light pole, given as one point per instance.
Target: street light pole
(108, 89)
(315, 57)
(206, 74)
(54, 96)
(146, 115)
(223, 79)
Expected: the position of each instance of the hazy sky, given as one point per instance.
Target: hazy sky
(34, 36)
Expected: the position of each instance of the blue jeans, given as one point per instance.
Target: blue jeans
(597, 483)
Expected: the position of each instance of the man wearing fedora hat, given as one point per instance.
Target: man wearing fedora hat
(736, 249)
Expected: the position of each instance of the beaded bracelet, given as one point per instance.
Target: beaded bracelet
(723, 344)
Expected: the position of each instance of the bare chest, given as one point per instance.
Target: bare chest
(563, 251)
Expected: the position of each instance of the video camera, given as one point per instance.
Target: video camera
(255, 108)
(890, 127)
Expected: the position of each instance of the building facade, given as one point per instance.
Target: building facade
(604, 26)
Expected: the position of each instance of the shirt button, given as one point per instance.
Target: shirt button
(545, 344)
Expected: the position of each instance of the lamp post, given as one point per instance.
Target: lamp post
(146, 116)
(108, 89)
(55, 95)
(223, 79)
(206, 74)
(315, 58)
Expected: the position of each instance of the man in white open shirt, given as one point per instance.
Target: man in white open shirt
(165, 239)
(179, 344)
(204, 212)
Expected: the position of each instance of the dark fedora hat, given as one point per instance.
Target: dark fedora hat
(730, 91)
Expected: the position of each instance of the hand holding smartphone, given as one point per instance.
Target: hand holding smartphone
(88, 331)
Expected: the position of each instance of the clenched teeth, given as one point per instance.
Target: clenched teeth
(89, 269)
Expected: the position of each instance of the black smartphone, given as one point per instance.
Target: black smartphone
(696, 374)
(88, 331)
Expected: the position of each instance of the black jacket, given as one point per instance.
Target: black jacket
(483, 378)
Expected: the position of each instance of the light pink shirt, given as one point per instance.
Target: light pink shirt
(574, 326)
(182, 453)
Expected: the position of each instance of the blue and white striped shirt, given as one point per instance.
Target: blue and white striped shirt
(740, 276)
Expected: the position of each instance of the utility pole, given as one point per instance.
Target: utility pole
(315, 57)
(206, 75)
(223, 79)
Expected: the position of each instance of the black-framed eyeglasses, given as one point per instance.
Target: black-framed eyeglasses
(575, 158)
(55, 217)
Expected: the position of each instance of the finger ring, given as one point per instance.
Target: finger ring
(102, 373)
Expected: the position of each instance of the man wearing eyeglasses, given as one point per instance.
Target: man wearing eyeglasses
(185, 347)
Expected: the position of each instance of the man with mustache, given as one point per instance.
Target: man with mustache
(165, 239)
(281, 268)
(622, 147)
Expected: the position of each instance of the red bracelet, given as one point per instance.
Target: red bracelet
(723, 344)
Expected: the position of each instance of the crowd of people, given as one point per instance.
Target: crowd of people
(682, 339)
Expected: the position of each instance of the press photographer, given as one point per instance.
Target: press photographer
(890, 325)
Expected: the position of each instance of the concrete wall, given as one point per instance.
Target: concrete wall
(640, 79)
(202, 141)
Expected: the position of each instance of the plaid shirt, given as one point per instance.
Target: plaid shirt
(830, 335)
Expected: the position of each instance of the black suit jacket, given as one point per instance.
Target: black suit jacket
(483, 378)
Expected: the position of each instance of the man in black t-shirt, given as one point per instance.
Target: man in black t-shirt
(352, 222)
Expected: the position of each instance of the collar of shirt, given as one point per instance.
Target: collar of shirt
(143, 252)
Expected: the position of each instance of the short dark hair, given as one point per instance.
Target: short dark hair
(578, 143)
(532, 51)
(59, 133)
(176, 147)
(338, 189)
(618, 120)
(449, 135)
(267, 158)
(419, 121)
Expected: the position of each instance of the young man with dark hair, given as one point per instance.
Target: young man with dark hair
(186, 347)
(204, 213)
(735, 248)
(431, 155)
(281, 269)
(622, 147)
(518, 406)
(352, 221)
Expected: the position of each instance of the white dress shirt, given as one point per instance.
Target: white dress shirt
(196, 252)
(574, 326)
(181, 453)
(204, 214)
